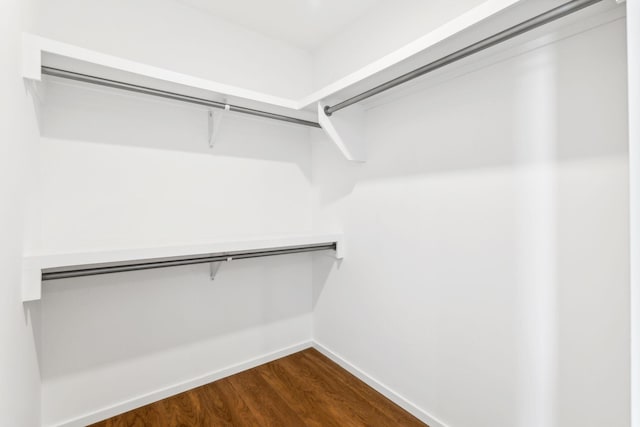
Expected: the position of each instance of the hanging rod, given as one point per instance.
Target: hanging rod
(86, 78)
(508, 34)
(151, 263)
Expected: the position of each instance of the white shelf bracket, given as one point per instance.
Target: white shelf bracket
(215, 266)
(31, 58)
(214, 123)
(31, 281)
(346, 130)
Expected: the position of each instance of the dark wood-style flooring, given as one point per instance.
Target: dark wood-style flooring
(303, 389)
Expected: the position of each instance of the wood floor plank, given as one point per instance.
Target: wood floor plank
(367, 393)
(347, 410)
(311, 404)
(303, 389)
(265, 404)
(183, 410)
(227, 405)
(356, 410)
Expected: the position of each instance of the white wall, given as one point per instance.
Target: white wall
(472, 286)
(170, 34)
(19, 377)
(388, 26)
(121, 170)
(487, 274)
(130, 171)
(633, 58)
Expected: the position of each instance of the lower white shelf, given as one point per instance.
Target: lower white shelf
(40, 267)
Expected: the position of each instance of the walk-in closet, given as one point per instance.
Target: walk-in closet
(320, 213)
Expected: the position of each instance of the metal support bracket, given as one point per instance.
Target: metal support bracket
(215, 266)
(214, 121)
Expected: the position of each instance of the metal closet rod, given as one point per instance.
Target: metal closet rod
(119, 267)
(508, 34)
(86, 78)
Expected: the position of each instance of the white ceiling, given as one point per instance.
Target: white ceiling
(303, 23)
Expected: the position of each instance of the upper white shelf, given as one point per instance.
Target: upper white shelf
(34, 264)
(43, 51)
(434, 37)
(40, 51)
(488, 18)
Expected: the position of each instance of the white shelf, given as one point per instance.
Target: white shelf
(449, 29)
(478, 23)
(34, 264)
(38, 51)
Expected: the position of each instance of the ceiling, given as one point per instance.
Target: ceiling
(302, 23)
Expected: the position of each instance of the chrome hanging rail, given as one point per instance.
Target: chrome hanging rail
(85, 78)
(509, 33)
(148, 264)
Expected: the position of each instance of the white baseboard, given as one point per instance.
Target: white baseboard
(396, 398)
(154, 396)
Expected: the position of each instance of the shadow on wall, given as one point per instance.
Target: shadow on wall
(79, 112)
(322, 266)
(100, 320)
